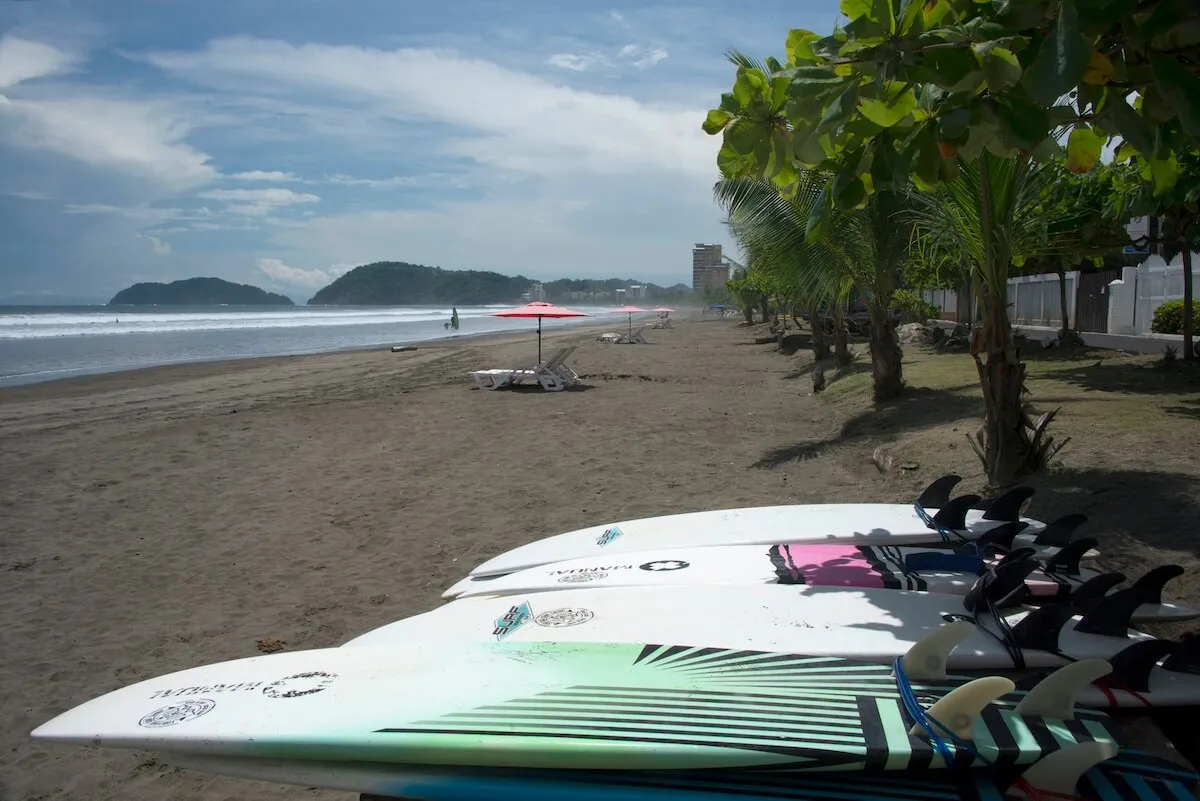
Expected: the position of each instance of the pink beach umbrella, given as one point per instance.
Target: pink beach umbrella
(538, 309)
(630, 310)
(662, 310)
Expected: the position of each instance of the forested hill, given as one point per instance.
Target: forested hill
(197, 292)
(397, 283)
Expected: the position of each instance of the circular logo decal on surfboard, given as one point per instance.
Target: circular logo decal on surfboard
(557, 618)
(299, 684)
(579, 578)
(177, 713)
(665, 564)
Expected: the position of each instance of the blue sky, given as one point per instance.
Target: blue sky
(282, 142)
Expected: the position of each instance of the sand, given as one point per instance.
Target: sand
(166, 518)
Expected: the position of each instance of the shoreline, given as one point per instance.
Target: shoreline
(222, 363)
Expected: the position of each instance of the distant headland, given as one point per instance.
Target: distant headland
(198, 292)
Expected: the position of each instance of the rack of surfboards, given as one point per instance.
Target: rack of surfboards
(951, 649)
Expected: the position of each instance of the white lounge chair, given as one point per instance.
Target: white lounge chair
(636, 338)
(552, 374)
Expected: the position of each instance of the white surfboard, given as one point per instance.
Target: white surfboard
(816, 565)
(840, 523)
(872, 625)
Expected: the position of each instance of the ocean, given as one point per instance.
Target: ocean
(43, 343)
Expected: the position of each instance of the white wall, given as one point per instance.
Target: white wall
(1140, 290)
(1034, 299)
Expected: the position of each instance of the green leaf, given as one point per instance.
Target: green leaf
(1022, 124)
(954, 126)
(1179, 86)
(1083, 149)
(896, 104)
(888, 169)
(1167, 14)
(778, 155)
(716, 121)
(733, 164)
(853, 9)
(1165, 173)
(923, 151)
(745, 137)
(798, 49)
(749, 86)
(806, 145)
(950, 69)
(1000, 67)
(1130, 125)
(779, 92)
(1095, 17)
(1061, 59)
(729, 103)
(818, 217)
(848, 191)
(773, 65)
(840, 110)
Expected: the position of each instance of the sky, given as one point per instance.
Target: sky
(283, 142)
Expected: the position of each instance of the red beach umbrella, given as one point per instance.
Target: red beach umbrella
(539, 309)
(630, 310)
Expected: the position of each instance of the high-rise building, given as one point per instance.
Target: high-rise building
(707, 266)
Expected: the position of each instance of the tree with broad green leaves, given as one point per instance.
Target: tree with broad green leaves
(1178, 209)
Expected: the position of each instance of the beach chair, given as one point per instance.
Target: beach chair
(609, 338)
(636, 338)
(552, 374)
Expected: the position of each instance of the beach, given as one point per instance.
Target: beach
(166, 518)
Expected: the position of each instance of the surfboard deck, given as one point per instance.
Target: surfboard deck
(558, 705)
(853, 623)
(1129, 776)
(847, 565)
(860, 524)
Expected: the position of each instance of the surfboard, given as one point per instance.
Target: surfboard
(1131, 775)
(873, 625)
(860, 524)
(848, 565)
(602, 706)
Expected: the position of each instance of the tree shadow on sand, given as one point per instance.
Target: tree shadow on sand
(1145, 378)
(917, 409)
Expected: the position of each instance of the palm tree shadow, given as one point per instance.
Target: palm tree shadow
(1190, 408)
(1143, 378)
(919, 408)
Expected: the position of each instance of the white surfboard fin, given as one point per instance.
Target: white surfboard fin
(959, 709)
(937, 494)
(1059, 772)
(1055, 695)
(927, 658)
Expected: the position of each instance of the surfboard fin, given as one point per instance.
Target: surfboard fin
(1066, 561)
(926, 659)
(1059, 772)
(1132, 666)
(937, 494)
(1016, 556)
(1039, 630)
(1112, 615)
(1092, 591)
(1059, 532)
(1150, 585)
(954, 514)
(1055, 695)
(1185, 657)
(1001, 537)
(1007, 507)
(959, 709)
(1003, 585)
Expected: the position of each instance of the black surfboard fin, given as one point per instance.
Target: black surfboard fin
(1016, 556)
(1003, 585)
(937, 494)
(1094, 590)
(1112, 615)
(1007, 507)
(1039, 630)
(1058, 532)
(1132, 665)
(996, 538)
(1067, 559)
(954, 514)
(1150, 586)
(1185, 656)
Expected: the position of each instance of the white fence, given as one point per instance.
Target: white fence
(1032, 299)
(1140, 290)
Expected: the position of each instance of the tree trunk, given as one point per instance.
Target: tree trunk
(748, 312)
(1188, 354)
(1005, 445)
(886, 354)
(765, 305)
(819, 345)
(1065, 330)
(841, 337)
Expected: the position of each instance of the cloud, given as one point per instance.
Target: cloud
(24, 60)
(383, 183)
(143, 139)
(503, 118)
(577, 62)
(28, 194)
(161, 247)
(257, 202)
(618, 17)
(276, 270)
(263, 175)
(643, 57)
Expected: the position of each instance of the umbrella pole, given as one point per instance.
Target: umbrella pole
(539, 361)
(631, 324)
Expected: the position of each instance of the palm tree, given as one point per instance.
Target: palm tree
(984, 220)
